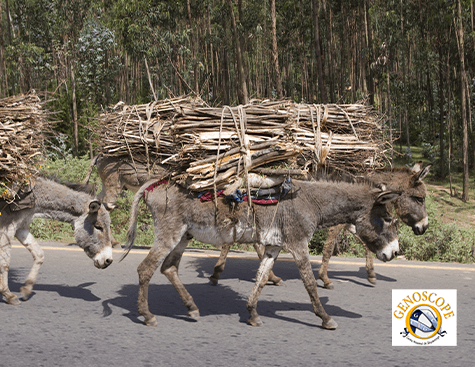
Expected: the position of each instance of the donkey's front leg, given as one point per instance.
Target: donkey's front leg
(270, 254)
(30, 242)
(302, 258)
(219, 267)
(370, 266)
(170, 270)
(146, 269)
(5, 256)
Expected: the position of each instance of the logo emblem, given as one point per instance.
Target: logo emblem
(424, 317)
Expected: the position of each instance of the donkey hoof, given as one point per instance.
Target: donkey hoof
(151, 322)
(330, 324)
(277, 281)
(25, 293)
(194, 314)
(14, 301)
(213, 280)
(372, 280)
(255, 321)
(328, 286)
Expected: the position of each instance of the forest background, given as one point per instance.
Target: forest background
(413, 60)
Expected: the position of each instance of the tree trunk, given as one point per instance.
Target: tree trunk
(318, 54)
(369, 46)
(275, 53)
(194, 46)
(242, 95)
(75, 112)
(3, 67)
(390, 118)
(331, 58)
(464, 103)
(441, 117)
(11, 35)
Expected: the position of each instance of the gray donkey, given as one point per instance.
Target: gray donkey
(117, 174)
(178, 216)
(409, 207)
(52, 200)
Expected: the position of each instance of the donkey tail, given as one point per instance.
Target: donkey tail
(89, 171)
(132, 231)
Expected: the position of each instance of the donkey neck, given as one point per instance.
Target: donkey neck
(338, 202)
(59, 202)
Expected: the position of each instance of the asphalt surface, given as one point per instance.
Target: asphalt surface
(82, 316)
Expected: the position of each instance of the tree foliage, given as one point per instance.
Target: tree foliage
(401, 55)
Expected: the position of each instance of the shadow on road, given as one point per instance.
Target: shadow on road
(211, 300)
(16, 281)
(284, 269)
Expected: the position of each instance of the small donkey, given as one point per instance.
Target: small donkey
(410, 208)
(178, 216)
(52, 200)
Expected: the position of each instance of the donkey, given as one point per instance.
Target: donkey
(311, 205)
(52, 200)
(409, 207)
(117, 174)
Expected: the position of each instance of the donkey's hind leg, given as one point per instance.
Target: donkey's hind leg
(269, 256)
(302, 258)
(272, 277)
(30, 242)
(219, 267)
(170, 270)
(327, 253)
(145, 270)
(5, 256)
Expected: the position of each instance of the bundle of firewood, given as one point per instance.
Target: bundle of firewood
(210, 147)
(22, 123)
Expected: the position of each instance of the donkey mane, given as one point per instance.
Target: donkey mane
(341, 176)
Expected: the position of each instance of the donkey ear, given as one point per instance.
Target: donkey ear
(423, 173)
(110, 206)
(417, 167)
(94, 206)
(387, 196)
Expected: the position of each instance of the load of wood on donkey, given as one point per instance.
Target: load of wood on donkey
(206, 147)
(23, 122)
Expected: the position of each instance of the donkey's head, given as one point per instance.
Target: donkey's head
(93, 234)
(410, 206)
(377, 228)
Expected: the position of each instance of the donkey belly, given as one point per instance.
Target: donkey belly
(223, 236)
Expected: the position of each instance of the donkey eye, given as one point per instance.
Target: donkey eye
(98, 227)
(420, 200)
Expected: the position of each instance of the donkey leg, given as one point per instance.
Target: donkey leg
(270, 254)
(370, 266)
(327, 252)
(272, 277)
(170, 270)
(5, 256)
(145, 270)
(32, 245)
(302, 258)
(219, 267)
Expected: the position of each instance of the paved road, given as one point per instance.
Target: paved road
(81, 316)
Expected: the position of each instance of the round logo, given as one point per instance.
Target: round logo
(423, 321)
